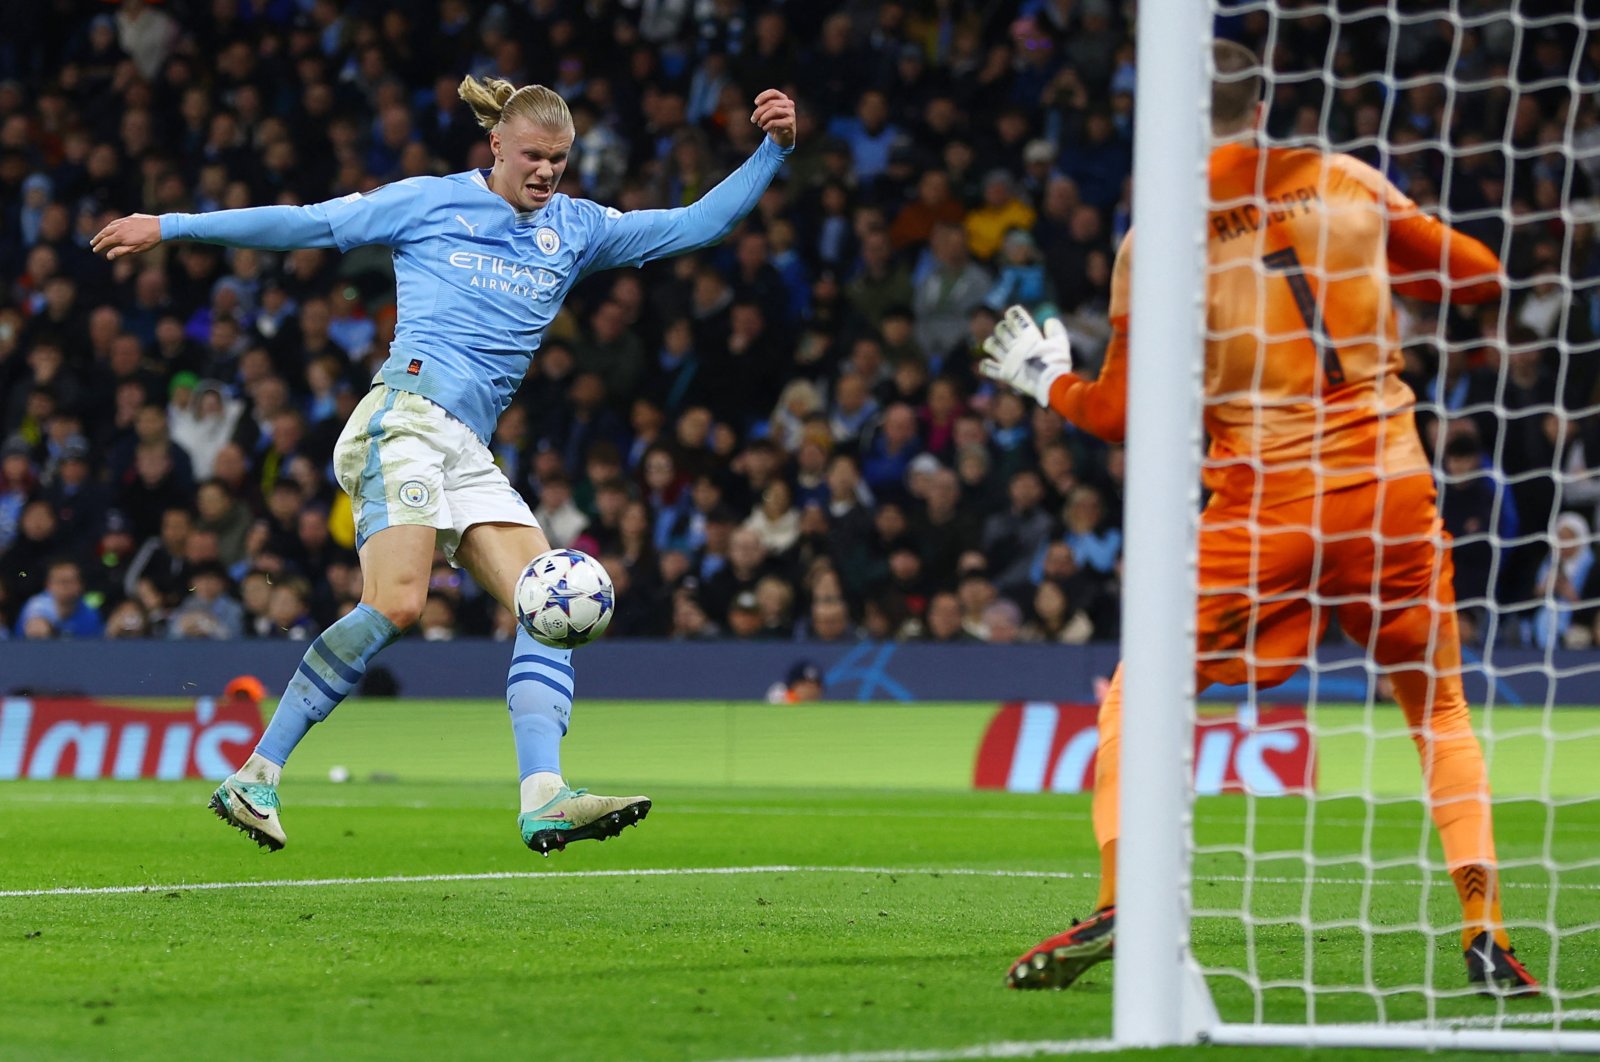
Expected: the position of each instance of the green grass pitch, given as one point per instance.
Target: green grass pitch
(812, 882)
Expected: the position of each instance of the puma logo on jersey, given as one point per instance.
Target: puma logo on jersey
(472, 230)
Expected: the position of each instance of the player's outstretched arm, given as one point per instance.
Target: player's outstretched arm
(385, 215)
(1427, 258)
(269, 228)
(774, 113)
(1100, 406)
(133, 234)
(1038, 363)
(1026, 357)
(1419, 245)
(641, 236)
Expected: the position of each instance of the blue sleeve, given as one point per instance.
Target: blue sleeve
(389, 215)
(641, 236)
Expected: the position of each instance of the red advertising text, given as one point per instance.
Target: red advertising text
(79, 737)
(1044, 747)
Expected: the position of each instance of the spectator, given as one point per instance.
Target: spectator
(255, 598)
(560, 517)
(160, 556)
(1467, 507)
(1095, 546)
(888, 456)
(59, 611)
(289, 611)
(689, 619)
(1056, 618)
(1560, 584)
(208, 611)
(1002, 622)
(798, 401)
(934, 206)
(1011, 539)
(17, 484)
(747, 563)
(128, 620)
(38, 540)
(943, 620)
(744, 616)
(853, 411)
(830, 620)
(438, 620)
(775, 602)
(868, 135)
(224, 516)
(614, 354)
(775, 521)
(879, 283)
(1003, 209)
(950, 289)
(1022, 280)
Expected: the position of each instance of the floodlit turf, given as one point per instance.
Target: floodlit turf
(884, 920)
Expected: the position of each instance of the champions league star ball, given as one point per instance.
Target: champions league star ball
(564, 598)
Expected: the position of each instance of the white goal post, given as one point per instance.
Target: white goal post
(1161, 993)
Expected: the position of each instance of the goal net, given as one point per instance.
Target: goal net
(1321, 905)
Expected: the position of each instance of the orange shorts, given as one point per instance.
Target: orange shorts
(1376, 555)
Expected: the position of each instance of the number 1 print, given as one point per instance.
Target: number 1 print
(1287, 262)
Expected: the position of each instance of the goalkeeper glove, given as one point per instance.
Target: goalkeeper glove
(1021, 355)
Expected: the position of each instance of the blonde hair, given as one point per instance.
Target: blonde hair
(493, 100)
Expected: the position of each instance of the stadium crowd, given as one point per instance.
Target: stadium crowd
(782, 437)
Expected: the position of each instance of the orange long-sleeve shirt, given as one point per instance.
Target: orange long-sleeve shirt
(1302, 375)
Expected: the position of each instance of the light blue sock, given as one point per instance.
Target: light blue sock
(331, 669)
(539, 694)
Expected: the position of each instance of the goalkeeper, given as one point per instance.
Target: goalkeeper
(1318, 482)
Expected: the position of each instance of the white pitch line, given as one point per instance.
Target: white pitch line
(1034, 1048)
(777, 811)
(1494, 1021)
(1003, 1049)
(527, 875)
(666, 872)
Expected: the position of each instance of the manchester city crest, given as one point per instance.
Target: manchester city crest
(547, 240)
(414, 493)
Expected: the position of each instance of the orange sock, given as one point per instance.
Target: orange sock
(1106, 770)
(1108, 876)
(1458, 794)
(1478, 888)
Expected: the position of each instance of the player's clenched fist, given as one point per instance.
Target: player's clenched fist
(129, 235)
(1028, 359)
(774, 113)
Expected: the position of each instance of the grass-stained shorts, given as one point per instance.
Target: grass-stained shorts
(404, 460)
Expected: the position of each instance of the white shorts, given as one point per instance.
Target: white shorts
(404, 460)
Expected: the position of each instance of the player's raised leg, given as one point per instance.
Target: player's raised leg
(1251, 626)
(394, 566)
(539, 689)
(1414, 637)
(1058, 961)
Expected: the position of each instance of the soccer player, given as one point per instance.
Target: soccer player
(1318, 481)
(482, 262)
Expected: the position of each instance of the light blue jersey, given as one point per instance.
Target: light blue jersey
(477, 281)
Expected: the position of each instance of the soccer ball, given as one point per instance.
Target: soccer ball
(564, 598)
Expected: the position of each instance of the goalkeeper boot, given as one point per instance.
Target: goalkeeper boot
(579, 815)
(1062, 959)
(252, 809)
(1496, 971)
